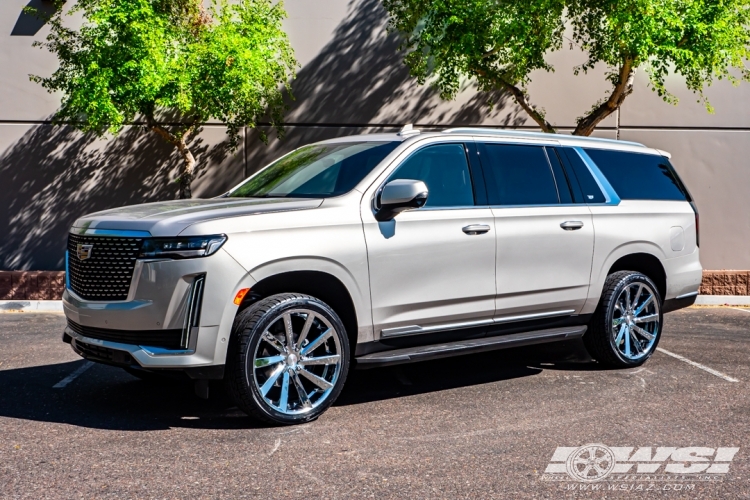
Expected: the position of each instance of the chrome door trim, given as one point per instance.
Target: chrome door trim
(418, 330)
(551, 314)
(686, 295)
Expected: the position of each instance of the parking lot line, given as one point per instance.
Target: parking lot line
(698, 365)
(85, 366)
(738, 309)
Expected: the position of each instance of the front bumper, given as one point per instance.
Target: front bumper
(160, 300)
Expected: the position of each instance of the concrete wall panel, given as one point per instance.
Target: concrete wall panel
(644, 108)
(715, 168)
(51, 175)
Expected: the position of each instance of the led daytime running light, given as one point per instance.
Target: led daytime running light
(183, 247)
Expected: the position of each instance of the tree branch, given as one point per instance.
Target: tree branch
(520, 97)
(523, 101)
(163, 133)
(622, 89)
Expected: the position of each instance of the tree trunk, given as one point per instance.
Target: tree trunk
(188, 160)
(623, 88)
(186, 171)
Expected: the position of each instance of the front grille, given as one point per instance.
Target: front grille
(168, 339)
(107, 272)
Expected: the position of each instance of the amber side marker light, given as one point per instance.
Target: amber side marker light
(240, 295)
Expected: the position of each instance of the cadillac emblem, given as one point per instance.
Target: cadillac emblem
(84, 251)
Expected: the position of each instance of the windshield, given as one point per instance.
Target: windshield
(316, 171)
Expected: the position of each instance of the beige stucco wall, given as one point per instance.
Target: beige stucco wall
(351, 80)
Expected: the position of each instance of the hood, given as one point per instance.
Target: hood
(170, 218)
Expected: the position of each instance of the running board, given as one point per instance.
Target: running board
(435, 351)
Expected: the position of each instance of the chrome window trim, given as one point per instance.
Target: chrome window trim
(610, 195)
(545, 206)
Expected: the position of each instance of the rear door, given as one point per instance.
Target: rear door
(545, 240)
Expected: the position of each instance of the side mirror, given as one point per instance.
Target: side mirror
(399, 195)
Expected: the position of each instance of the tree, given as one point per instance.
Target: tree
(172, 65)
(500, 42)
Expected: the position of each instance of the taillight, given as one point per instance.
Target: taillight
(697, 225)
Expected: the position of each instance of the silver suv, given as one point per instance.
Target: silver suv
(382, 249)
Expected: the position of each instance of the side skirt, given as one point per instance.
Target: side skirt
(468, 346)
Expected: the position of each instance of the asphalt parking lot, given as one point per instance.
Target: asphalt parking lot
(478, 426)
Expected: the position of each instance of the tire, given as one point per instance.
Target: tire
(283, 386)
(624, 334)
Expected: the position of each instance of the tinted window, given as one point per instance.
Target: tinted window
(563, 183)
(636, 176)
(588, 185)
(445, 171)
(316, 171)
(518, 175)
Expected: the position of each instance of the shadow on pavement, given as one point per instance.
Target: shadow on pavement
(106, 397)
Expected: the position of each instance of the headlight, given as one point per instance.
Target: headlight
(185, 247)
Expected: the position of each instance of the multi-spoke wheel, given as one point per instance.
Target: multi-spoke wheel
(626, 326)
(289, 358)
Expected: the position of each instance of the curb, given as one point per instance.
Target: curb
(723, 300)
(11, 306)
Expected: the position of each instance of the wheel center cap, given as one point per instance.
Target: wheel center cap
(291, 360)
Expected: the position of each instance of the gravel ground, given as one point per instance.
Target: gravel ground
(479, 426)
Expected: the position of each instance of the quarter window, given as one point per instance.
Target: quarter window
(445, 171)
(518, 175)
(637, 176)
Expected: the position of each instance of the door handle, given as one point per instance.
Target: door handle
(571, 225)
(473, 229)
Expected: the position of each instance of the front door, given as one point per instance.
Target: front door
(433, 268)
(545, 241)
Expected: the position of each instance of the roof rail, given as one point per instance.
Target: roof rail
(536, 135)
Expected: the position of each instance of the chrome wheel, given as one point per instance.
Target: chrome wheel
(297, 362)
(635, 321)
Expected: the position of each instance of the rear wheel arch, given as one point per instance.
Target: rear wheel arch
(644, 263)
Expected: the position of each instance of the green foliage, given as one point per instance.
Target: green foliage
(485, 39)
(702, 40)
(500, 42)
(152, 59)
